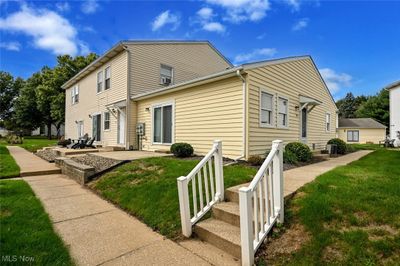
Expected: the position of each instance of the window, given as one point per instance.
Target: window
(266, 107)
(107, 73)
(106, 120)
(353, 135)
(282, 112)
(80, 129)
(328, 122)
(162, 124)
(75, 94)
(99, 81)
(166, 75)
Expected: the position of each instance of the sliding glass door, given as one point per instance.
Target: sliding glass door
(162, 124)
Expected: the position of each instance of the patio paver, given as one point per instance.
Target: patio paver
(31, 164)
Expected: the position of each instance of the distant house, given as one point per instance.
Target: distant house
(186, 91)
(43, 130)
(361, 130)
(394, 94)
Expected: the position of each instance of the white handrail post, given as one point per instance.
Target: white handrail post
(219, 171)
(184, 207)
(246, 226)
(278, 179)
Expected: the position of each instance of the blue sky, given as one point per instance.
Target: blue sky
(355, 44)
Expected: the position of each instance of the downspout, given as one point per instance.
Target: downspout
(243, 156)
(128, 101)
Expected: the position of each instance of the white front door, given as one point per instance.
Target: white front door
(121, 127)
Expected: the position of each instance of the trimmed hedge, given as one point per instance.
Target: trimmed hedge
(289, 157)
(341, 145)
(182, 149)
(300, 150)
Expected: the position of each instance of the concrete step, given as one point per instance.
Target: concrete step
(232, 193)
(228, 212)
(220, 234)
(40, 172)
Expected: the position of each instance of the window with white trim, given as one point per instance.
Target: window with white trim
(328, 122)
(166, 75)
(162, 124)
(266, 108)
(353, 136)
(107, 74)
(283, 112)
(99, 81)
(75, 94)
(106, 120)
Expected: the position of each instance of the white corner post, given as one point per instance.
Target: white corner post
(219, 170)
(278, 179)
(246, 226)
(184, 207)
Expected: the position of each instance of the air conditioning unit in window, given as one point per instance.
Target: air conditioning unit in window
(166, 80)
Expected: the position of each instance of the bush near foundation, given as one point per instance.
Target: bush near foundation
(182, 150)
(341, 145)
(299, 150)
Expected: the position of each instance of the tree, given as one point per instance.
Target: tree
(9, 90)
(26, 115)
(349, 105)
(376, 107)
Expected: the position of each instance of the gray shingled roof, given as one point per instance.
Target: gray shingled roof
(360, 123)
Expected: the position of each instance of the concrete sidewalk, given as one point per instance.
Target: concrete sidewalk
(98, 233)
(298, 177)
(31, 164)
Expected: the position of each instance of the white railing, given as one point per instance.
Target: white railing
(261, 203)
(207, 182)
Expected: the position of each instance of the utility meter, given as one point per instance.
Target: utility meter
(140, 129)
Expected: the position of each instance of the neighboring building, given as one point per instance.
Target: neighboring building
(394, 103)
(188, 92)
(43, 131)
(361, 130)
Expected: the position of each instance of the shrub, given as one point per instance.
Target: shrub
(14, 139)
(350, 148)
(289, 157)
(182, 149)
(255, 160)
(341, 145)
(300, 150)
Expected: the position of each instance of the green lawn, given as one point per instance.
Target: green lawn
(8, 166)
(32, 144)
(26, 231)
(147, 188)
(366, 146)
(350, 216)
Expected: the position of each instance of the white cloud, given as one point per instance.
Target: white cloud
(300, 24)
(255, 54)
(238, 11)
(261, 36)
(294, 4)
(205, 13)
(11, 46)
(49, 30)
(63, 6)
(335, 81)
(165, 18)
(214, 26)
(89, 6)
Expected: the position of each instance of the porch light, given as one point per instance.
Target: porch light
(147, 109)
(296, 108)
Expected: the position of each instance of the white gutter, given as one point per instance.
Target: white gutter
(244, 114)
(128, 100)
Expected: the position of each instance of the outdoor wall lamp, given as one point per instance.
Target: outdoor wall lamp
(296, 108)
(90, 116)
(147, 109)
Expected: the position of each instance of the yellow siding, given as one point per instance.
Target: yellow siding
(90, 102)
(202, 114)
(189, 61)
(288, 79)
(365, 134)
